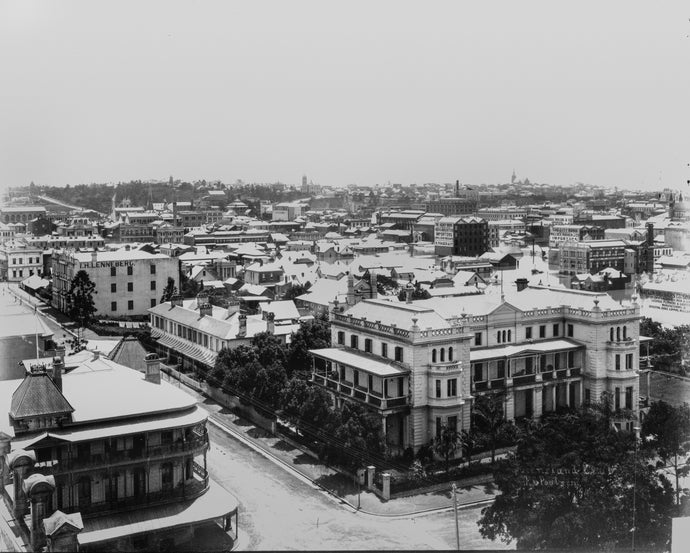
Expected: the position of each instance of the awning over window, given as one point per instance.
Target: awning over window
(536, 348)
(360, 361)
(215, 503)
(183, 347)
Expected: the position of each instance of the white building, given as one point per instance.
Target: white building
(128, 282)
(19, 260)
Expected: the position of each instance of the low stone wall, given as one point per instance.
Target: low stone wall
(246, 411)
(477, 480)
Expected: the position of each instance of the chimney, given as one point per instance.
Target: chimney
(176, 301)
(270, 322)
(60, 352)
(521, 284)
(408, 292)
(205, 307)
(127, 247)
(373, 284)
(96, 355)
(242, 331)
(233, 306)
(58, 369)
(350, 289)
(457, 188)
(153, 368)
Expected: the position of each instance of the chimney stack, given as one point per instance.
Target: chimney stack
(521, 284)
(204, 305)
(408, 292)
(58, 368)
(60, 352)
(96, 355)
(233, 306)
(242, 332)
(270, 322)
(176, 301)
(153, 368)
(350, 289)
(373, 284)
(457, 188)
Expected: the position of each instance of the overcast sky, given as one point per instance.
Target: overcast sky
(345, 92)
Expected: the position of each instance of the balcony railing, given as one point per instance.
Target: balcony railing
(115, 457)
(360, 393)
(191, 488)
(524, 379)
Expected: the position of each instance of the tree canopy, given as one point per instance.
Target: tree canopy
(170, 290)
(80, 304)
(572, 483)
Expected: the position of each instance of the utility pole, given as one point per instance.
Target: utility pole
(455, 509)
(636, 428)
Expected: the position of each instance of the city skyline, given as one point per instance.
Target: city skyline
(346, 94)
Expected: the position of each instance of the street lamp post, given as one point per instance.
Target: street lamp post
(455, 509)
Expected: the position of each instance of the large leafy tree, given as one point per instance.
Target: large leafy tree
(666, 430)
(269, 349)
(572, 484)
(354, 433)
(447, 443)
(169, 291)
(488, 419)
(312, 334)
(80, 304)
(669, 347)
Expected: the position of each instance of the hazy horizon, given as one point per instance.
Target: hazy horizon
(346, 93)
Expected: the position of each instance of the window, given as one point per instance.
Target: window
(443, 354)
(571, 331)
(611, 334)
(625, 333)
(629, 397)
(498, 336)
(453, 423)
(618, 334)
(618, 362)
(384, 350)
(370, 382)
(433, 356)
(153, 302)
(529, 365)
(571, 359)
(341, 338)
(478, 370)
(450, 354)
(542, 331)
(510, 335)
(452, 387)
(113, 271)
(367, 345)
(477, 338)
(556, 329)
(354, 341)
(528, 333)
(129, 270)
(205, 340)
(398, 353)
(438, 388)
(153, 269)
(113, 306)
(153, 285)
(130, 305)
(113, 288)
(130, 287)
(356, 377)
(629, 361)
(500, 368)
(438, 427)
(617, 398)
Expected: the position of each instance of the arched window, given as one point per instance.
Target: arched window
(509, 337)
(618, 334)
(611, 335)
(443, 354)
(503, 335)
(450, 354)
(433, 356)
(498, 336)
(625, 333)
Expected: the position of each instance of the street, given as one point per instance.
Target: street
(279, 511)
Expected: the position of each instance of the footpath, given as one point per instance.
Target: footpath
(304, 464)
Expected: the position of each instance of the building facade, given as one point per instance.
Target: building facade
(466, 236)
(128, 470)
(128, 282)
(420, 364)
(19, 260)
